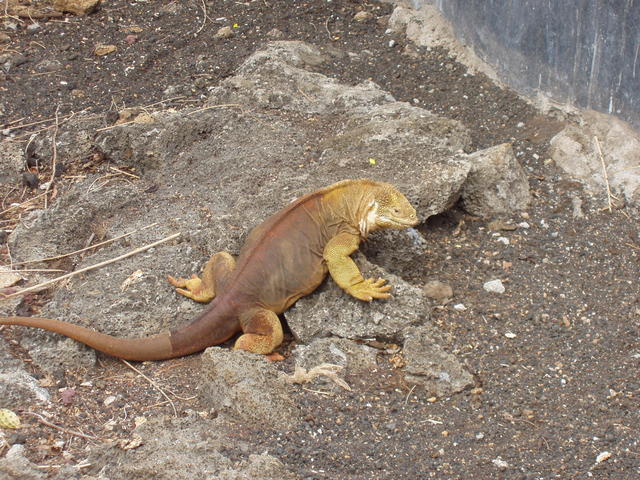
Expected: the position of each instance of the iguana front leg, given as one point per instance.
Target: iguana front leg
(214, 275)
(345, 272)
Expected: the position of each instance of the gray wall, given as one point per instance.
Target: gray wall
(585, 52)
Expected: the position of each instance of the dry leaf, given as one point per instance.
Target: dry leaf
(144, 118)
(102, 50)
(135, 277)
(139, 421)
(397, 361)
(300, 375)
(135, 442)
(8, 278)
(131, 29)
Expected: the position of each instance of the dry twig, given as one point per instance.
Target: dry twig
(225, 105)
(91, 267)
(22, 204)
(42, 420)
(406, 400)
(54, 157)
(57, 257)
(124, 173)
(25, 125)
(204, 20)
(32, 270)
(154, 384)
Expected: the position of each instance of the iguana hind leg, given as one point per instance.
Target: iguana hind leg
(214, 275)
(262, 331)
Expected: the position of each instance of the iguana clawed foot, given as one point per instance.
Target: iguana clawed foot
(193, 288)
(369, 289)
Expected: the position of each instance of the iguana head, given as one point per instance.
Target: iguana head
(388, 209)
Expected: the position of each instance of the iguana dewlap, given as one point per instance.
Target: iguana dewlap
(283, 259)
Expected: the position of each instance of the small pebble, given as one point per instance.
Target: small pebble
(34, 27)
(31, 180)
(510, 335)
(363, 17)
(459, 307)
(524, 225)
(494, 286)
(501, 464)
(504, 240)
(392, 43)
(224, 32)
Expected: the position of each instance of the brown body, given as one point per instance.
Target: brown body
(284, 258)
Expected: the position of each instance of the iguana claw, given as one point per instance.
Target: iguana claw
(192, 288)
(369, 289)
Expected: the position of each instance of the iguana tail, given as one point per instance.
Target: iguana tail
(212, 327)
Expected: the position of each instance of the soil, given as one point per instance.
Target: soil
(556, 356)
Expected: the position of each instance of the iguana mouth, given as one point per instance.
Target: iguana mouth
(401, 222)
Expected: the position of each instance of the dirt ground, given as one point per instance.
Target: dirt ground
(556, 356)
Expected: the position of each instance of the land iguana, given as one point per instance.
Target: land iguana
(284, 258)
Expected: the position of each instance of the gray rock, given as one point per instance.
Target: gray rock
(15, 466)
(575, 151)
(11, 162)
(496, 184)
(427, 364)
(17, 387)
(247, 388)
(332, 312)
(274, 77)
(354, 357)
(170, 449)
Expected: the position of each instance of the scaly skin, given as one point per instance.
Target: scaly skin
(284, 258)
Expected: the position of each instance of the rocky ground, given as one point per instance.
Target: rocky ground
(548, 366)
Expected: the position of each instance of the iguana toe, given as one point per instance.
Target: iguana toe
(193, 288)
(369, 289)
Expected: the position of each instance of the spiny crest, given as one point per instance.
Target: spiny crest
(387, 195)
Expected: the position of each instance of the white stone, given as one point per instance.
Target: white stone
(494, 286)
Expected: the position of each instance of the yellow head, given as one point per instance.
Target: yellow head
(388, 209)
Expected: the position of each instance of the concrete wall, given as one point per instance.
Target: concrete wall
(583, 52)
